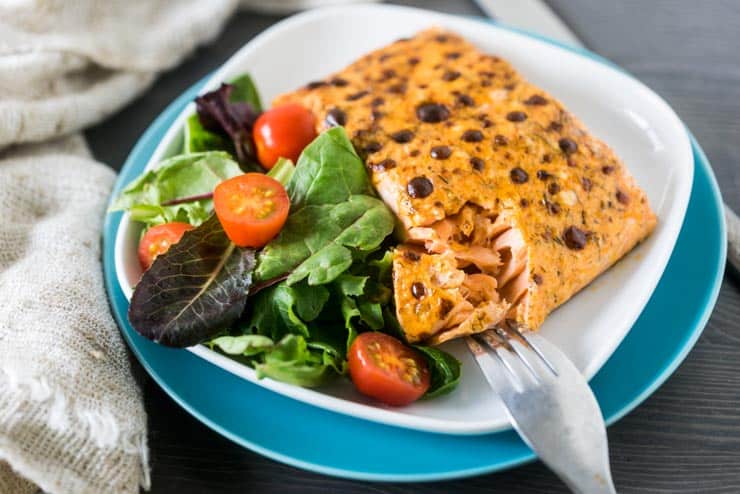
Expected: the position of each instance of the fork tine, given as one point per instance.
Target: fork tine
(514, 329)
(491, 364)
(502, 354)
(511, 373)
(513, 347)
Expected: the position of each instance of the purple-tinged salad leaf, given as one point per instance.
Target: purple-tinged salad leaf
(194, 291)
(220, 114)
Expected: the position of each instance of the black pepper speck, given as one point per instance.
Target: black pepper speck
(516, 116)
(518, 176)
(419, 187)
(402, 136)
(472, 135)
(567, 145)
(574, 238)
(622, 197)
(440, 152)
(335, 117)
(535, 100)
(432, 112)
(450, 75)
(384, 165)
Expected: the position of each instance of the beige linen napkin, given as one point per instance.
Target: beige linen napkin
(71, 414)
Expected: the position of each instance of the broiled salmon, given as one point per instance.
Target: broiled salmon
(508, 205)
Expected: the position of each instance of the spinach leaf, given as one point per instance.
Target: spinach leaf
(317, 241)
(444, 368)
(328, 171)
(179, 189)
(282, 309)
(193, 291)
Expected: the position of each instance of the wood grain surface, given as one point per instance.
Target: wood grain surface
(686, 437)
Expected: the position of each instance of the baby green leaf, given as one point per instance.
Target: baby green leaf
(328, 172)
(317, 240)
(444, 368)
(282, 309)
(178, 189)
(246, 344)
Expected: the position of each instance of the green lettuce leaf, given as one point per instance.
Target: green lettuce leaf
(247, 345)
(178, 189)
(292, 359)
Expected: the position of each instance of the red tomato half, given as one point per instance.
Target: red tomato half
(252, 208)
(283, 131)
(158, 239)
(384, 368)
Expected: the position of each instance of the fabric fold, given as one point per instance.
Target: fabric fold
(72, 419)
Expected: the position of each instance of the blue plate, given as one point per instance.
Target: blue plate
(315, 439)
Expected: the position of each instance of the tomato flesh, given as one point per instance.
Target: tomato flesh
(252, 208)
(384, 368)
(158, 240)
(283, 131)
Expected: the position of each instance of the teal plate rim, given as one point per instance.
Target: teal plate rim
(326, 442)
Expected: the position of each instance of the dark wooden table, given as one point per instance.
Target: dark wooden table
(684, 438)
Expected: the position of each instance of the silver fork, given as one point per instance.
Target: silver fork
(549, 403)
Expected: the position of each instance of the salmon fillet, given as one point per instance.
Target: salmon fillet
(507, 206)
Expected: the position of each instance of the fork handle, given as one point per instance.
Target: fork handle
(589, 484)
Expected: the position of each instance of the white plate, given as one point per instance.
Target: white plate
(634, 121)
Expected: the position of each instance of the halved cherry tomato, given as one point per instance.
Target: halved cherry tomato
(384, 368)
(158, 239)
(283, 131)
(252, 208)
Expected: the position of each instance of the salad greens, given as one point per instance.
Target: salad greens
(198, 139)
(179, 189)
(312, 289)
(444, 369)
(245, 90)
(292, 359)
(334, 219)
(221, 113)
(195, 291)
